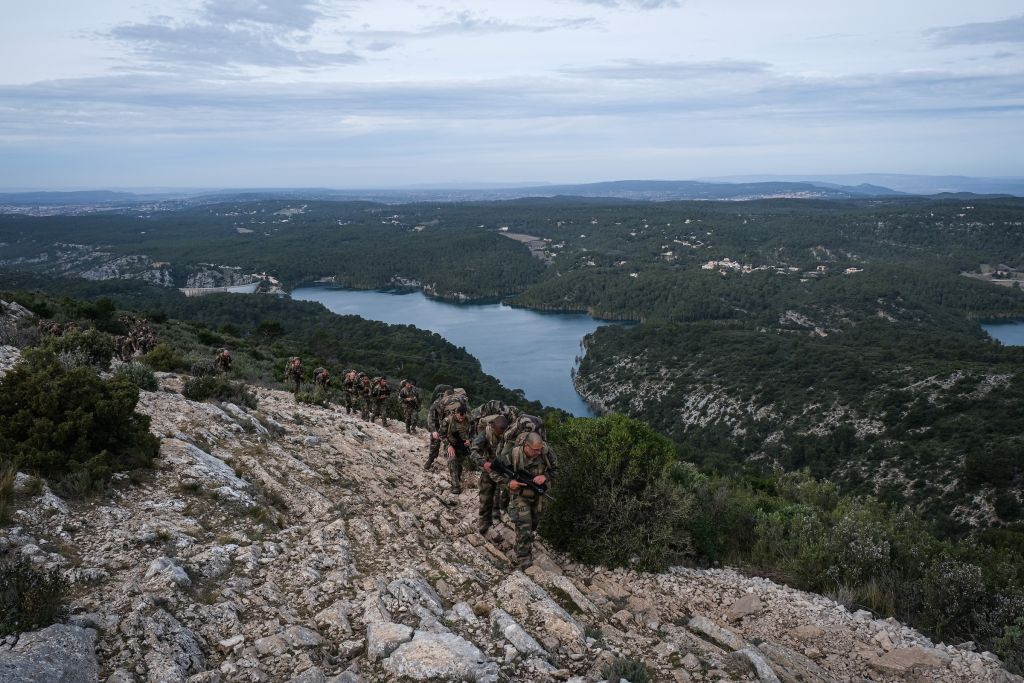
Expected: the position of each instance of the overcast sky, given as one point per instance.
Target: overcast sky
(352, 93)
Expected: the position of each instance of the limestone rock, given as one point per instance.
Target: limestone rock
(564, 584)
(175, 651)
(444, 656)
(300, 636)
(744, 607)
(532, 606)
(412, 589)
(335, 618)
(383, 639)
(718, 634)
(165, 570)
(56, 653)
(503, 623)
(764, 670)
(806, 632)
(904, 660)
(793, 667)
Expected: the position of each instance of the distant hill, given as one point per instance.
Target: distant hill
(662, 190)
(63, 198)
(732, 188)
(909, 184)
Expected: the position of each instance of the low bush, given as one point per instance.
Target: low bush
(1011, 645)
(164, 358)
(218, 388)
(82, 348)
(316, 397)
(139, 375)
(71, 426)
(626, 670)
(616, 502)
(7, 474)
(29, 598)
(12, 334)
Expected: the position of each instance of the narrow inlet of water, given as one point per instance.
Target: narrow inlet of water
(527, 350)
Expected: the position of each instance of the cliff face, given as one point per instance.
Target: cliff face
(299, 543)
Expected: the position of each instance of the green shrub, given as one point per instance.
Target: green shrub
(71, 426)
(218, 388)
(1011, 645)
(7, 474)
(316, 397)
(164, 358)
(626, 669)
(79, 349)
(29, 598)
(139, 375)
(616, 502)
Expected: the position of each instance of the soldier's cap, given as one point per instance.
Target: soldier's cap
(461, 410)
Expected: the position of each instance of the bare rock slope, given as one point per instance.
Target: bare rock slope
(297, 543)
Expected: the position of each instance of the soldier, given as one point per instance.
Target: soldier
(380, 393)
(410, 404)
(525, 505)
(434, 417)
(351, 386)
(365, 392)
(518, 428)
(223, 360)
(322, 378)
(294, 372)
(457, 434)
(484, 450)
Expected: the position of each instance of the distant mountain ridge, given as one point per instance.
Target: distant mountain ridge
(735, 188)
(906, 183)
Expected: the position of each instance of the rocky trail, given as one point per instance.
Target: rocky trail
(297, 543)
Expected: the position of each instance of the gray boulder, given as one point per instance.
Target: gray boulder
(443, 656)
(55, 654)
(383, 639)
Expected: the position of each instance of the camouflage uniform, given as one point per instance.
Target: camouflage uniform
(485, 448)
(322, 378)
(434, 418)
(493, 408)
(380, 393)
(294, 372)
(517, 430)
(458, 435)
(410, 399)
(525, 506)
(351, 386)
(223, 360)
(365, 392)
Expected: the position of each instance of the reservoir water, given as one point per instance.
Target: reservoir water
(1010, 334)
(526, 350)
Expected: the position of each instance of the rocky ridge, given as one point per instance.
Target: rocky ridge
(296, 543)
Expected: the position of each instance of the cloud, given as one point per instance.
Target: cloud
(637, 69)
(1004, 31)
(177, 105)
(279, 13)
(233, 33)
(466, 22)
(634, 4)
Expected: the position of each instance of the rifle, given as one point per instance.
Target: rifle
(522, 476)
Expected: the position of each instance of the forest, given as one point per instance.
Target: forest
(836, 336)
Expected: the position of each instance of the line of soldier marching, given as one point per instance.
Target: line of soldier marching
(508, 446)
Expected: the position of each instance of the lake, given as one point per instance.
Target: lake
(1010, 334)
(526, 350)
